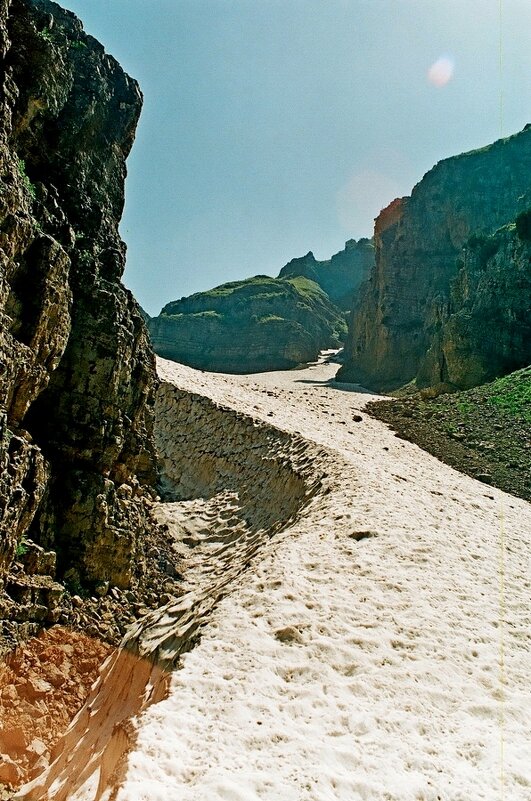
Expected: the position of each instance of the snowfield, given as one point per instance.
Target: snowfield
(377, 649)
(363, 610)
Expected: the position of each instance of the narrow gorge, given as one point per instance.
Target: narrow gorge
(226, 579)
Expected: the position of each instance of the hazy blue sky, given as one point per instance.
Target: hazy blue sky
(274, 127)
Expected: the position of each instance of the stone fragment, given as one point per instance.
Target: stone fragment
(53, 675)
(289, 634)
(37, 561)
(38, 748)
(9, 693)
(362, 535)
(13, 739)
(37, 688)
(10, 773)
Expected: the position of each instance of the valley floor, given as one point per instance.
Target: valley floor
(378, 648)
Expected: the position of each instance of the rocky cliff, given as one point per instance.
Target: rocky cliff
(77, 373)
(249, 326)
(484, 330)
(341, 275)
(445, 304)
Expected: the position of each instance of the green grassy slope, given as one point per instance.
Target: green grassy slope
(484, 432)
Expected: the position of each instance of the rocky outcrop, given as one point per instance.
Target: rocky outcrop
(484, 331)
(249, 326)
(341, 275)
(424, 312)
(77, 373)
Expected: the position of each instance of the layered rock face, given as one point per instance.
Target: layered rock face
(77, 373)
(341, 275)
(424, 312)
(249, 326)
(484, 331)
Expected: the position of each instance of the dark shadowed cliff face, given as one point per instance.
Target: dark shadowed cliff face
(249, 326)
(341, 275)
(77, 373)
(484, 331)
(396, 331)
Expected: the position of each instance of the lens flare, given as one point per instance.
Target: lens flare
(441, 71)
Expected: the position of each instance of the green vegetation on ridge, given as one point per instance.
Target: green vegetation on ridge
(260, 323)
(484, 432)
(512, 394)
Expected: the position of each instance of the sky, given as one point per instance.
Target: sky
(275, 127)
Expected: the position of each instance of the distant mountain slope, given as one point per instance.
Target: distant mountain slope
(254, 325)
(341, 275)
(448, 301)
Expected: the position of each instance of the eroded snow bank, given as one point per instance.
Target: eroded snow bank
(377, 649)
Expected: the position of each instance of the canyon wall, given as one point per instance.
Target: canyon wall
(77, 375)
(341, 275)
(417, 316)
(484, 330)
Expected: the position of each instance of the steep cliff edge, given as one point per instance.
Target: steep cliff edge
(77, 373)
(484, 330)
(341, 275)
(249, 326)
(423, 312)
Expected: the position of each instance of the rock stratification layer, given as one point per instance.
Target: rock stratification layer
(424, 312)
(249, 326)
(77, 375)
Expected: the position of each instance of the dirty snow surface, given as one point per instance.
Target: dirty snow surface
(377, 648)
